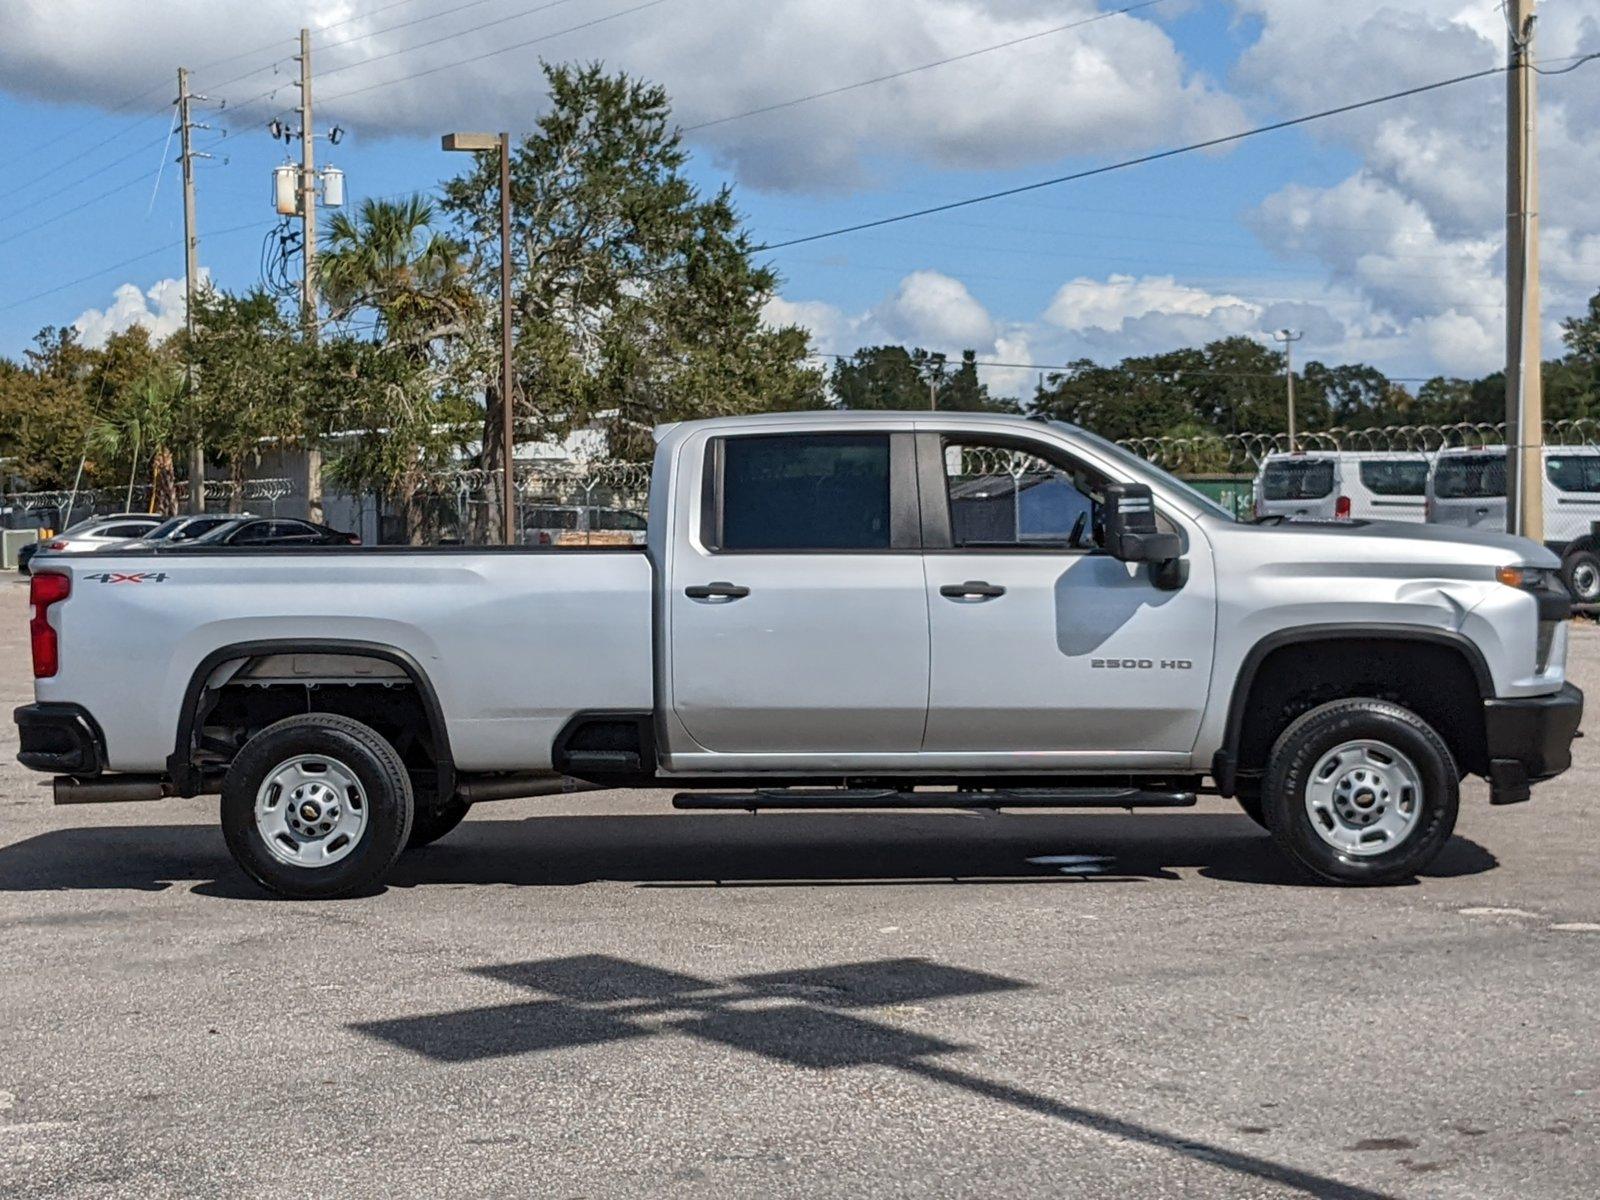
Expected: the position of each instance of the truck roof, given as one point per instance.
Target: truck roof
(835, 416)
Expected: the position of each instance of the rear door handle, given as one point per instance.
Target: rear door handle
(716, 591)
(973, 589)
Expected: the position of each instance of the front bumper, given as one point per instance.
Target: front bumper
(62, 739)
(1529, 739)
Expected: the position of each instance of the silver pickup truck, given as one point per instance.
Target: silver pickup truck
(893, 610)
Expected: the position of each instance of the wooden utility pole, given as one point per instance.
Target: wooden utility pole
(191, 285)
(1289, 337)
(1524, 387)
(508, 387)
(308, 251)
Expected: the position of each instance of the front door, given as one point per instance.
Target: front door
(798, 615)
(1044, 646)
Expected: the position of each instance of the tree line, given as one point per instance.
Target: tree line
(636, 300)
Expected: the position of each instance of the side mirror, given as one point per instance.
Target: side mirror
(1131, 534)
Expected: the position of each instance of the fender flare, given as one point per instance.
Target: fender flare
(180, 763)
(1225, 763)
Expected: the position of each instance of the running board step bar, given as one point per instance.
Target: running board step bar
(801, 798)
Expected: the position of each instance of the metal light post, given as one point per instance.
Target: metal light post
(481, 142)
(1289, 337)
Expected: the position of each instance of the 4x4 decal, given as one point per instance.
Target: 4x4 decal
(128, 577)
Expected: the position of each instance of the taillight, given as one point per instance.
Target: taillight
(354, 540)
(46, 589)
(544, 538)
(55, 546)
(1341, 508)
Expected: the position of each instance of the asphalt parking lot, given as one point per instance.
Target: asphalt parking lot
(594, 996)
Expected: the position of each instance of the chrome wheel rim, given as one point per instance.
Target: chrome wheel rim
(1586, 582)
(311, 811)
(1364, 798)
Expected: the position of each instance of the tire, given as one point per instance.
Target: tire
(1252, 809)
(348, 774)
(1581, 571)
(1384, 792)
(429, 824)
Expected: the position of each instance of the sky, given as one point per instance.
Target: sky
(1378, 234)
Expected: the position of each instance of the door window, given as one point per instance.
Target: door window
(1297, 479)
(1003, 497)
(1395, 477)
(797, 492)
(1470, 477)
(1574, 472)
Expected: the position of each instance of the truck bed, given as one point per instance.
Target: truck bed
(513, 641)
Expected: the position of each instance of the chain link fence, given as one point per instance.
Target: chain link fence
(56, 509)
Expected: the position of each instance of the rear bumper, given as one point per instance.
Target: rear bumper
(62, 739)
(1530, 739)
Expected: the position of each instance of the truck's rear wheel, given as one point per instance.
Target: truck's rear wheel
(1361, 792)
(316, 806)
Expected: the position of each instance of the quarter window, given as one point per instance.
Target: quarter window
(805, 492)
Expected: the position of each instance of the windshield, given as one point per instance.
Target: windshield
(1469, 477)
(1297, 479)
(164, 530)
(1150, 473)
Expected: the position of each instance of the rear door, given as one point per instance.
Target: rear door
(1304, 488)
(1387, 487)
(1046, 650)
(798, 619)
(1469, 490)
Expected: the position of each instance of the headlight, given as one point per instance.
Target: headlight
(1528, 578)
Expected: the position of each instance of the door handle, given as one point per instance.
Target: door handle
(973, 589)
(716, 591)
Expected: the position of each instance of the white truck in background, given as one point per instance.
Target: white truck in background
(881, 610)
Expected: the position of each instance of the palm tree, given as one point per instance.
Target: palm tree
(388, 258)
(143, 420)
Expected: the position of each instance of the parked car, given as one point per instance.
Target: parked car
(176, 530)
(816, 622)
(1381, 485)
(582, 525)
(1467, 489)
(274, 531)
(95, 533)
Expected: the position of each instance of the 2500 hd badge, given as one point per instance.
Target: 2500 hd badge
(1140, 664)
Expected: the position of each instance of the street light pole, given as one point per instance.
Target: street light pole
(1288, 337)
(508, 488)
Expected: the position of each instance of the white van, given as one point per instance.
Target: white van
(1371, 485)
(1300, 487)
(1467, 488)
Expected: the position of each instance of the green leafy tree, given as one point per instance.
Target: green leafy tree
(636, 298)
(139, 425)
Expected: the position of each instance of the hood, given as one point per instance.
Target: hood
(1523, 550)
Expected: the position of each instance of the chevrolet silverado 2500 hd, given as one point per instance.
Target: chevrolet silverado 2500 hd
(831, 611)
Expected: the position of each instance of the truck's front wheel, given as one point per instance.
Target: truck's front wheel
(1361, 792)
(316, 807)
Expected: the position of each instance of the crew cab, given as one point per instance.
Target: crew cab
(831, 610)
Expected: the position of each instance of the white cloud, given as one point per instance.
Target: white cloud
(1417, 231)
(1115, 84)
(160, 309)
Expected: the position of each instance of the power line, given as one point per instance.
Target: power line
(1132, 162)
(448, 37)
(493, 53)
(956, 359)
(928, 66)
(117, 266)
